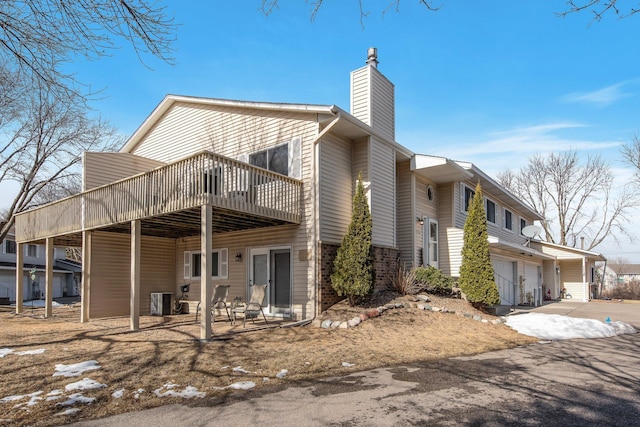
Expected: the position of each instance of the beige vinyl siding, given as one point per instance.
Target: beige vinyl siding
(104, 168)
(383, 209)
(186, 129)
(360, 163)
(455, 240)
(549, 277)
(406, 222)
(335, 188)
(111, 272)
(382, 104)
(424, 208)
(241, 242)
(446, 206)
(571, 278)
(360, 94)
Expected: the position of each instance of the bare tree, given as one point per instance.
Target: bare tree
(38, 37)
(574, 199)
(631, 155)
(599, 8)
(268, 6)
(40, 149)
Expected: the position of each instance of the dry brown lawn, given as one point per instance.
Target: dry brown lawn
(166, 349)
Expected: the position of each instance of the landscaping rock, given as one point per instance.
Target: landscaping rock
(335, 324)
(422, 306)
(412, 298)
(326, 324)
(496, 322)
(399, 305)
(363, 317)
(423, 298)
(390, 306)
(436, 309)
(468, 315)
(343, 325)
(373, 313)
(381, 309)
(354, 322)
(476, 317)
(485, 321)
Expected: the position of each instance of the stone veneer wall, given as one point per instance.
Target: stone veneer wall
(385, 264)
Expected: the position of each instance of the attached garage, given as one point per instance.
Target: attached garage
(532, 284)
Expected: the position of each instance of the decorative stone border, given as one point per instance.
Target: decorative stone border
(421, 303)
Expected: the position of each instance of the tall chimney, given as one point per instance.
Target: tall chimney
(372, 97)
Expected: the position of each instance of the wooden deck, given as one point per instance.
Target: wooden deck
(167, 200)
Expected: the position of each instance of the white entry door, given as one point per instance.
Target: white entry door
(430, 243)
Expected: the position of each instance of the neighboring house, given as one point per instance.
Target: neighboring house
(65, 282)
(617, 274)
(210, 191)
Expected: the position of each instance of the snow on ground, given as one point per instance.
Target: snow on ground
(557, 327)
(169, 391)
(39, 303)
(76, 369)
(84, 384)
(6, 351)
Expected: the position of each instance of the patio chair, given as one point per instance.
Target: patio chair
(218, 302)
(254, 307)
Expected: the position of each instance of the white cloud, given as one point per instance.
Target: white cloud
(601, 97)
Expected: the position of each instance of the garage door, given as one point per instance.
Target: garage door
(504, 274)
(57, 287)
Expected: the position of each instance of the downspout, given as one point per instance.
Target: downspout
(316, 222)
(584, 280)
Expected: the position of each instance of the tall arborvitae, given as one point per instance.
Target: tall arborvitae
(353, 267)
(477, 279)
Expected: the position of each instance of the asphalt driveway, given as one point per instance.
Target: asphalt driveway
(562, 383)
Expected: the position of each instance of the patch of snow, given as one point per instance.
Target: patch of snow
(26, 352)
(54, 395)
(265, 379)
(76, 398)
(224, 367)
(33, 399)
(68, 411)
(283, 373)
(118, 393)
(242, 385)
(5, 351)
(84, 384)
(348, 365)
(76, 369)
(241, 370)
(138, 392)
(187, 393)
(12, 398)
(557, 327)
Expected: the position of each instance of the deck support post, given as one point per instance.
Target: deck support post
(48, 294)
(86, 277)
(206, 244)
(134, 309)
(19, 277)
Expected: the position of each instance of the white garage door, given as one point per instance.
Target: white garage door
(57, 287)
(504, 274)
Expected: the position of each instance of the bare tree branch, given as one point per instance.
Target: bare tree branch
(598, 8)
(575, 199)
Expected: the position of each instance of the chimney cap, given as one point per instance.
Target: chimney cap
(372, 57)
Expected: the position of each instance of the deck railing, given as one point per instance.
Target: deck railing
(185, 184)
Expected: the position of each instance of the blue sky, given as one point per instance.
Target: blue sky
(488, 82)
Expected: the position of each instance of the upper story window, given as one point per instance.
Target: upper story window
(508, 220)
(9, 247)
(491, 211)
(468, 195)
(275, 159)
(523, 224)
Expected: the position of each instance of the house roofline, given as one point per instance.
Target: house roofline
(570, 249)
(170, 99)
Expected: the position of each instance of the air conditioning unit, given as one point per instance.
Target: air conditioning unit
(161, 303)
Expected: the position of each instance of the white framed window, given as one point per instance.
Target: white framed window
(508, 220)
(490, 208)
(467, 194)
(9, 247)
(523, 224)
(275, 159)
(219, 264)
(31, 251)
(430, 193)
